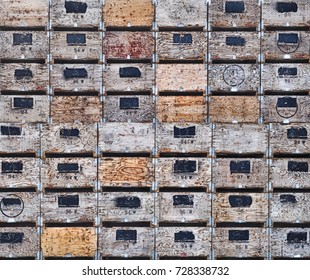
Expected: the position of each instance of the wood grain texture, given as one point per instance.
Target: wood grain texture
(66, 241)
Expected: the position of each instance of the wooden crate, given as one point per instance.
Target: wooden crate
(69, 241)
(234, 77)
(241, 14)
(19, 172)
(19, 13)
(76, 45)
(128, 13)
(77, 13)
(183, 241)
(240, 207)
(286, 109)
(18, 242)
(290, 242)
(16, 138)
(126, 172)
(240, 139)
(192, 14)
(126, 207)
(240, 242)
(290, 173)
(290, 207)
(234, 109)
(128, 45)
(70, 207)
(69, 138)
(183, 138)
(285, 77)
(279, 45)
(69, 109)
(190, 207)
(23, 77)
(19, 207)
(181, 77)
(285, 13)
(244, 173)
(289, 139)
(76, 77)
(126, 137)
(183, 172)
(181, 46)
(23, 44)
(128, 77)
(126, 242)
(182, 109)
(234, 45)
(129, 108)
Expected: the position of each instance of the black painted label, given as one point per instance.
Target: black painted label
(235, 41)
(296, 166)
(240, 200)
(288, 198)
(20, 74)
(126, 235)
(287, 71)
(297, 237)
(297, 133)
(22, 103)
(75, 7)
(129, 72)
(12, 167)
(185, 39)
(76, 39)
(68, 167)
(288, 38)
(183, 200)
(184, 166)
(184, 236)
(238, 235)
(22, 39)
(242, 166)
(129, 103)
(234, 7)
(71, 132)
(68, 201)
(128, 202)
(287, 102)
(10, 130)
(11, 201)
(187, 132)
(11, 237)
(286, 7)
(72, 73)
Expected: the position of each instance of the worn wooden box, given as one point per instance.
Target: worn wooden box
(19, 13)
(240, 139)
(290, 242)
(126, 172)
(182, 45)
(234, 14)
(240, 242)
(23, 45)
(77, 45)
(69, 109)
(183, 242)
(126, 137)
(19, 207)
(189, 207)
(23, 77)
(183, 138)
(126, 207)
(285, 109)
(129, 108)
(77, 13)
(185, 14)
(69, 172)
(121, 45)
(182, 109)
(181, 77)
(19, 138)
(126, 242)
(243, 173)
(290, 173)
(69, 207)
(239, 207)
(234, 46)
(289, 139)
(128, 13)
(282, 45)
(69, 138)
(183, 172)
(69, 242)
(19, 242)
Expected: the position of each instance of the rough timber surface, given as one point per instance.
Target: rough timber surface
(69, 241)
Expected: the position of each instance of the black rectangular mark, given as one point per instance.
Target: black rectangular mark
(126, 103)
(240, 200)
(287, 102)
(288, 198)
(22, 103)
(242, 166)
(22, 39)
(184, 236)
(12, 167)
(9, 201)
(297, 133)
(288, 38)
(126, 235)
(75, 7)
(128, 202)
(234, 7)
(11, 237)
(76, 39)
(238, 235)
(297, 237)
(183, 200)
(185, 39)
(235, 41)
(20, 74)
(184, 166)
(129, 72)
(286, 7)
(11, 130)
(287, 71)
(69, 132)
(295, 166)
(68, 167)
(68, 201)
(186, 132)
(73, 73)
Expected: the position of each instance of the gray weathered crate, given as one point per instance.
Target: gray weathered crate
(126, 241)
(240, 242)
(183, 172)
(245, 173)
(126, 137)
(183, 242)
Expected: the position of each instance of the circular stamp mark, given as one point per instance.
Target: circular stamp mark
(234, 75)
(11, 206)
